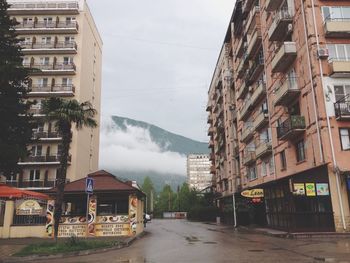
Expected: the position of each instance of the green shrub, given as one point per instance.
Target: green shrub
(203, 213)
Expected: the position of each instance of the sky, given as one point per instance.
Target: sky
(158, 60)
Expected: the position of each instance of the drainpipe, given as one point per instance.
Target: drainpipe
(336, 170)
(234, 210)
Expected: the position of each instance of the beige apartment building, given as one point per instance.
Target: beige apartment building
(198, 171)
(60, 41)
(291, 74)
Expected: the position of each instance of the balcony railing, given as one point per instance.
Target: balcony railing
(279, 26)
(264, 148)
(51, 68)
(247, 133)
(261, 120)
(287, 91)
(254, 42)
(284, 57)
(56, 47)
(337, 27)
(256, 68)
(242, 90)
(339, 67)
(244, 112)
(342, 108)
(272, 5)
(62, 90)
(43, 159)
(32, 183)
(45, 135)
(43, 7)
(291, 128)
(258, 93)
(249, 156)
(47, 25)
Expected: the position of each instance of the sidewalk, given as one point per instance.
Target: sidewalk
(8, 247)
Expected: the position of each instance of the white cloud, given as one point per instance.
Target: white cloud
(134, 150)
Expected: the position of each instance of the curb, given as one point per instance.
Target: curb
(124, 244)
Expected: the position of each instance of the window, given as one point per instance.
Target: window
(263, 168)
(27, 20)
(345, 138)
(43, 82)
(336, 12)
(59, 150)
(66, 82)
(339, 52)
(68, 39)
(112, 207)
(67, 60)
(341, 91)
(300, 147)
(46, 40)
(44, 61)
(70, 20)
(252, 175)
(47, 20)
(283, 160)
(36, 150)
(34, 175)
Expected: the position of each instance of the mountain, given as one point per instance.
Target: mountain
(167, 141)
(133, 149)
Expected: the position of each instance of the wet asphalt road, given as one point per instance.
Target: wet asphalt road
(183, 241)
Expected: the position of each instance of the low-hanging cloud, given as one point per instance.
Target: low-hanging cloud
(132, 149)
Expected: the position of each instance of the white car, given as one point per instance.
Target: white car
(147, 217)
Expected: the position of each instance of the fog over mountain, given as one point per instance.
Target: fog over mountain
(133, 149)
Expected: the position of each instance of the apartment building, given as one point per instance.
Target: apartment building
(198, 171)
(62, 45)
(292, 78)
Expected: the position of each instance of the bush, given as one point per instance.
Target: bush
(203, 213)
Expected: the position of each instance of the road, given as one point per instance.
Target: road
(183, 241)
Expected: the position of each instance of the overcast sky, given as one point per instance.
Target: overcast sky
(158, 59)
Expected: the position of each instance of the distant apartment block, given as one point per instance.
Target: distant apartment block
(62, 45)
(283, 120)
(198, 171)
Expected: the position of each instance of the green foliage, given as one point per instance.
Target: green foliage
(165, 201)
(148, 189)
(15, 127)
(73, 244)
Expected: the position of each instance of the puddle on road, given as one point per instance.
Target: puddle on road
(209, 242)
(192, 239)
(256, 250)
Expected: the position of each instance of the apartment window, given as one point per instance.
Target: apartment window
(34, 175)
(294, 109)
(340, 52)
(43, 82)
(70, 20)
(47, 20)
(252, 174)
(67, 82)
(46, 40)
(336, 12)
(37, 150)
(283, 160)
(265, 135)
(341, 91)
(27, 20)
(44, 60)
(345, 138)
(25, 61)
(59, 150)
(263, 168)
(67, 60)
(300, 147)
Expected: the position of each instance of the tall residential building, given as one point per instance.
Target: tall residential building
(198, 171)
(62, 45)
(291, 74)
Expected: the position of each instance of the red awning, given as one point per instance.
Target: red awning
(12, 192)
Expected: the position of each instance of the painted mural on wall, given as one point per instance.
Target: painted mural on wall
(28, 208)
(133, 213)
(49, 217)
(92, 216)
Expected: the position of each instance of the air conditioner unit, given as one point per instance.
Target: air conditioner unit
(322, 53)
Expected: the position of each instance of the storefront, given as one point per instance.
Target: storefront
(114, 209)
(301, 203)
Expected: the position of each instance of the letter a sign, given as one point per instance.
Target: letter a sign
(89, 188)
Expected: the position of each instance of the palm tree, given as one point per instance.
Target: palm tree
(65, 113)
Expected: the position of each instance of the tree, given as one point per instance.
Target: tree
(64, 113)
(15, 124)
(165, 200)
(148, 189)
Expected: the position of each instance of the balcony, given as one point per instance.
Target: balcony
(42, 27)
(241, 46)
(271, 5)
(209, 108)
(211, 131)
(261, 120)
(249, 157)
(254, 42)
(242, 91)
(51, 68)
(246, 6)
(247, 133)
(291, 128)
(284, 57)
(212, 169)
(210, 119)
(287, 91)
(263, 149)
(56, 90)
(211, 144)
(258, 93)
(64, 47)
(42, 160)
(279, 26)
(35, 111)
(31, 184)
(45, 8)
(256, 68)
(46, 136)
(252, 19)
(337, 27)
(342, 109)
(243, 64)
(339, 68)
(246, 109)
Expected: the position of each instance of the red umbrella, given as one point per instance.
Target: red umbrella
(12, 192)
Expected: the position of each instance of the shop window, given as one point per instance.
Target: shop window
(300, 147)
(345, 138)
(112, 207)
(283, 160)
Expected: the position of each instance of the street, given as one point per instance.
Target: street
(183, 241)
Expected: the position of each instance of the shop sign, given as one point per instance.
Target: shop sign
(322, 189)
(28, 208)
(299, 189)
(106, 230)
(78, 230)
(253, 193)
(310, 189)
